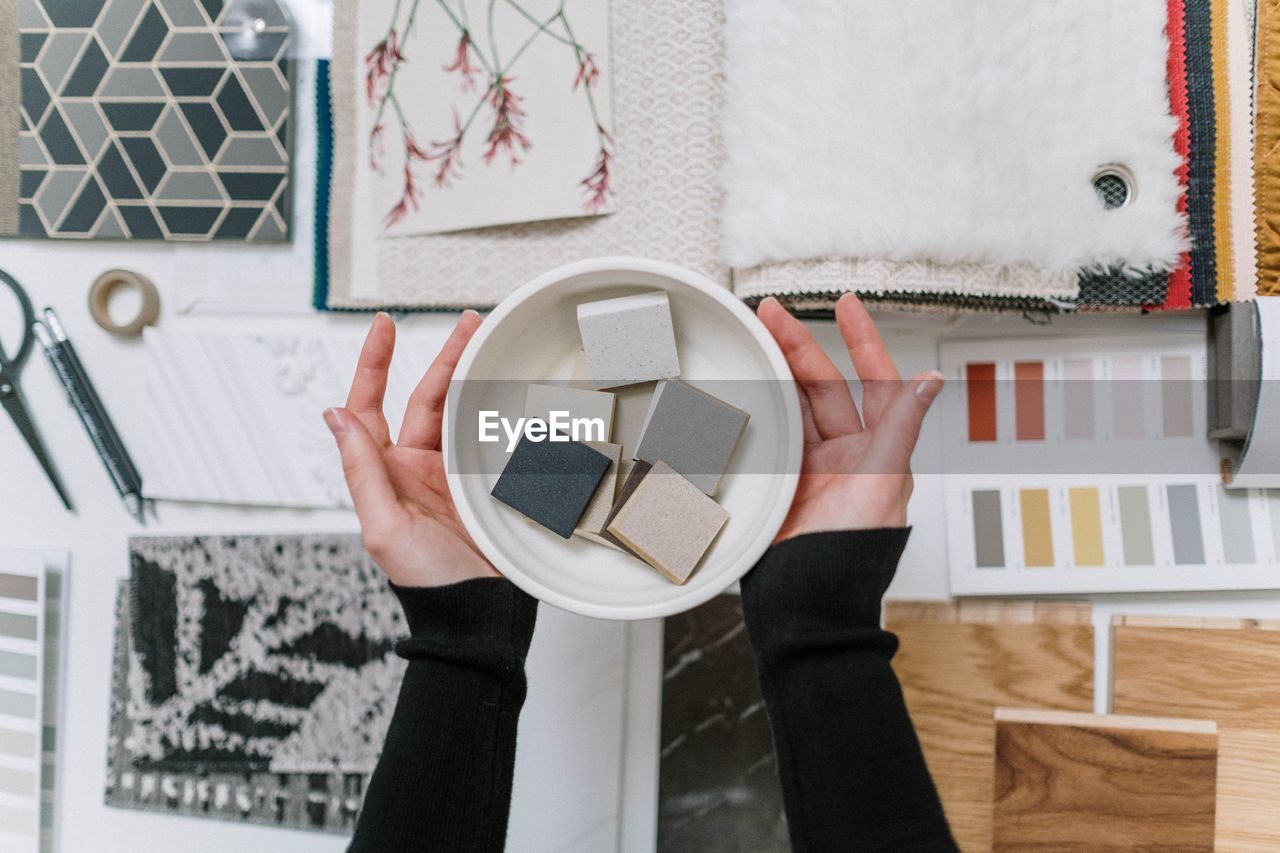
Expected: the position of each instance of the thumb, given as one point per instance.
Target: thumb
(899, 427)
(364, 468)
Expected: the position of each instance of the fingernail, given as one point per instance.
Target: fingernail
(929, 387)
(336, 421)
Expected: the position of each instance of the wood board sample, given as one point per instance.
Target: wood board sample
(958, 661)
(1218, 669)
(1071, 781)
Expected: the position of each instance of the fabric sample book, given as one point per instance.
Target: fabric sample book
(145, 120)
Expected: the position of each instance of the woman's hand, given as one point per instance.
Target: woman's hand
(856, 472)
(410, 525)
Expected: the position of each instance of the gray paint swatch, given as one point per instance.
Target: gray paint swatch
(18, 625)
(1077, 399)
(17, 665)
(1184, 523)
(988, 530)
(1175, 387)
(21, 744)
(1135, 526)
(1127, 397)
(16, 704)
(19, 586)
(1273, 504)
(1237, 528)
(20, 782)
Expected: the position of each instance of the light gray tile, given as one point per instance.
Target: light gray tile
(255, 151)
(126, 81)
(193, 47)
(267, 87)
(59, 56)
(190, 186)
(109, 228)
(31, 152)
(175, 140)
(30, 16)
(270, 229)
(691, 431)
(59, 189)
(117, 22)
(87, 124)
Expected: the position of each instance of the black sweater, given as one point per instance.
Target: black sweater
(853, 776)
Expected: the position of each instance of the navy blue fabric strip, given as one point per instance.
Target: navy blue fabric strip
(1200, 177)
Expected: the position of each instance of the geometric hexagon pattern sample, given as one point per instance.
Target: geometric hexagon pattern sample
(148, 120)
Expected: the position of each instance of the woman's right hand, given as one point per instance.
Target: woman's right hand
(410, 525)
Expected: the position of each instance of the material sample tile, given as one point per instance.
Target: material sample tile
(691, 431)
(1074, 781)
(542, 400)
(631, 482)
(958, 661)
(551, 482)
(669, 523)
(629, 339)
(601, 505)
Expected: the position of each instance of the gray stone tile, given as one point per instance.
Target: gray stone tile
(190, 186)
(193, 47)
(31, 16)
(252, 151)
(59, 55)
(132, 81)
(58, 191)
(183, 13)
(115, 25)
(175, 140)
(265, 86)
(87, 124)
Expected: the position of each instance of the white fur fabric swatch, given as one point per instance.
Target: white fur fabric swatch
(951, 131)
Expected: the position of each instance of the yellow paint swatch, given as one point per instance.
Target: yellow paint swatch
(1086, 526)
(1037, 527)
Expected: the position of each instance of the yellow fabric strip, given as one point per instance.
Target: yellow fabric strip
(1266, 149)
(1222, 153)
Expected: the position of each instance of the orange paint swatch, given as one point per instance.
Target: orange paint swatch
(980, 385)
(1028, 397)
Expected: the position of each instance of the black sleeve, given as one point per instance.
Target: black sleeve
(444, 779)
(853, 775)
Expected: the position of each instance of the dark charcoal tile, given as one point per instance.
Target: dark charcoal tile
(30, 45)
(115, 174)
(140, 221)
(718, 789)
(147, 38)
(192, 82)
(250, 186)
(213, 8)
(238, 223)
(146, 160)
(29, 224)
(73, 13)
(59, 142)
(84, 81)
(85, 211)
(189, 221)
(236, 107)
(127, 116)
(206, 125)
(30, 182)
(551, 482)
(35, 97)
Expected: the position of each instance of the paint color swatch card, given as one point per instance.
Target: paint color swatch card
(1082, 465)
(22, 635)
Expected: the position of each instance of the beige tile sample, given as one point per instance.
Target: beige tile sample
(597, 513)
(542, 400)
(669, 523)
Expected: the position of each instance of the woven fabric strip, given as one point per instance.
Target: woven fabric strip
(1200, 178)
(10, 119)
(1225, 284)
(1114, 289)
(1266, 147)
(1178, 295)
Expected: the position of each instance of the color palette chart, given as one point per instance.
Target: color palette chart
(1081, 465)
(22, 634)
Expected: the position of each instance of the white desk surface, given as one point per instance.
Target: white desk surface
(547, 813)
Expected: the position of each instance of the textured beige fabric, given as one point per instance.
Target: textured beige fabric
(667, 58)
(10, 119)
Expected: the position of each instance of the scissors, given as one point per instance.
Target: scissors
(11, 392)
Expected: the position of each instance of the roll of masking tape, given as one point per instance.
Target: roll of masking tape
(111, 281)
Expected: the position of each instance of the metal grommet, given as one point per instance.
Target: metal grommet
(111, 281)
(1115, 185)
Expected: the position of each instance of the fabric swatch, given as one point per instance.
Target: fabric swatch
(328, 802)
(259, 654)
(1267, 149)
(666, 111)
(146, 121)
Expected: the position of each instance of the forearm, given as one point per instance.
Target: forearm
(853, 775)
(444, 779)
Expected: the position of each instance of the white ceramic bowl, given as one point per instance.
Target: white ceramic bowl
(533, 336)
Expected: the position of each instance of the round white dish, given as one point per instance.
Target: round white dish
(532, 336)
